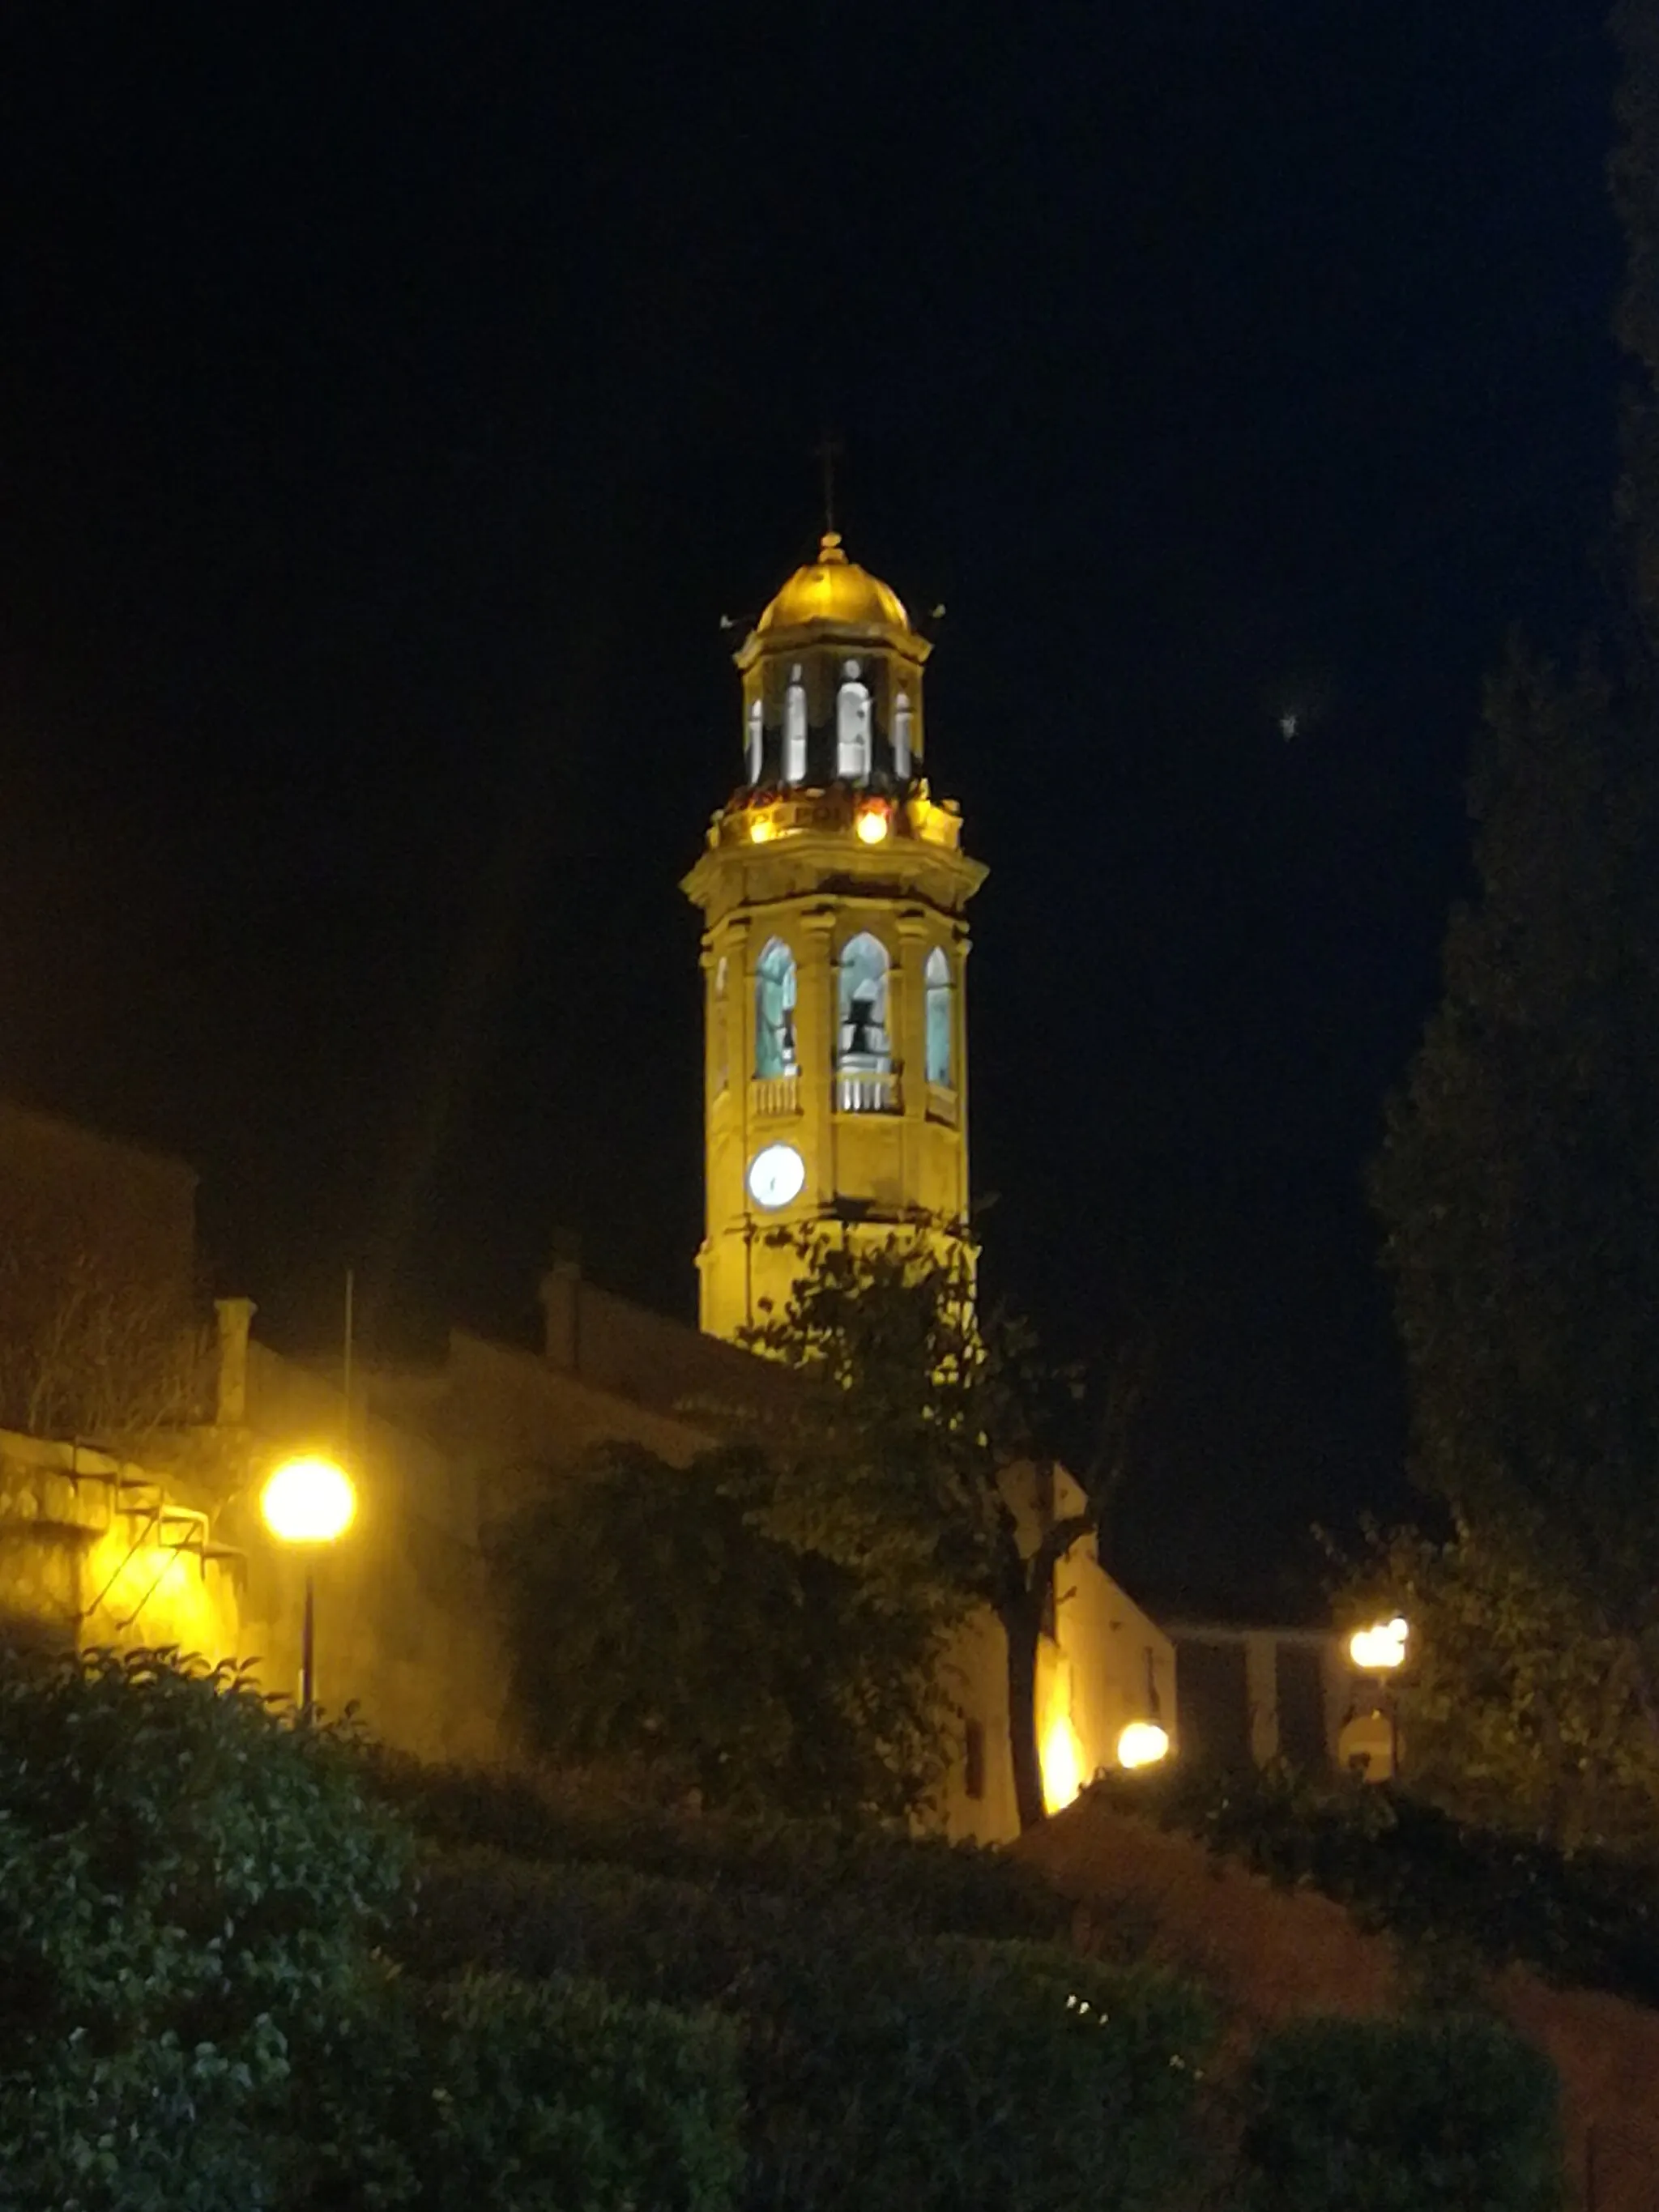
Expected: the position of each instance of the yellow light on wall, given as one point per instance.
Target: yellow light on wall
(1062, 1766)
(1381, 1647)
(309, 1501)
(1143, 1743)
(871, 825)
(762, 829)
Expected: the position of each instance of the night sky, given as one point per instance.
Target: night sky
(392, 400)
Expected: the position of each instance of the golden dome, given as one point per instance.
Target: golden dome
(833, 589)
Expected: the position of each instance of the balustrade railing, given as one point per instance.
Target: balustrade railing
(773, 1097)
(867, 1092)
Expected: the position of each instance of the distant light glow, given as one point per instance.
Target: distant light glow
(762, 829)
(871, 825)
(309, 1501)
(1381, 1647)
(1062, 1763)
(1143, 1743)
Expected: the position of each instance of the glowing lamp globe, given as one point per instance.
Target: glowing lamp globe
(1143, 1743)
(309, 1501)
(871, 825)
(1381, 1647)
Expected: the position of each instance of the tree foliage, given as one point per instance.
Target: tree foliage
(927, 1445)
(659, 1621)
(91, 1345)
(1520, 1707)
(1519, 1181)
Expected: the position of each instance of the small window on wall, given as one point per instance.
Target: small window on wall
(794, 730)
(853, 720)
(973, 1761)
(861, 1046)
(937, 997)
(757, 739)
(774, 1009)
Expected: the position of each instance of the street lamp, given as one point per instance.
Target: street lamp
(308, 1502)
(1380, 1650)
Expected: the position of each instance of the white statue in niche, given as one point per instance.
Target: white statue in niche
(756, 737)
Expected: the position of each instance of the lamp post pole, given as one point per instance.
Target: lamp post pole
(307, 1503)
(308, 1648)
(1379, 1651)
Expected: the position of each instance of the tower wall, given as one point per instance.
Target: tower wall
(834, 958)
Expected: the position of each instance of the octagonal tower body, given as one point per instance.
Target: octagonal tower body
(834, 893)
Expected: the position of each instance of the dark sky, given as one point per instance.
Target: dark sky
(392, 398)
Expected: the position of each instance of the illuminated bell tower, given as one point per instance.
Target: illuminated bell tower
(833, 892)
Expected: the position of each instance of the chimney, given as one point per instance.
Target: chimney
(560, 1295)
(234, 1318)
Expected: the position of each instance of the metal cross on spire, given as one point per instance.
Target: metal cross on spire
(828, 451)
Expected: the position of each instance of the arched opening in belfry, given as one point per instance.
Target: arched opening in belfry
(863, 1053)
(903, 726)
(853, 723)
(757, 739)
(795, 729)
(937, 997)
(774, 1009)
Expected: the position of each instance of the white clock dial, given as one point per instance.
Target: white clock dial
(776, 1175)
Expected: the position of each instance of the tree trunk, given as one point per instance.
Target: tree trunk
(1022, 1624)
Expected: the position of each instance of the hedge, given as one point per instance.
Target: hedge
(194, 2016)
(500, 2095)
(1401, 2116)
(925, 1883)
(188, 1889)
(881, 2069)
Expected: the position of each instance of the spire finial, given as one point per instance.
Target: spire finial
(828, 450)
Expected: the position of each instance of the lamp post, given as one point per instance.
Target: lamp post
(308, 1502)
(1380, 1650)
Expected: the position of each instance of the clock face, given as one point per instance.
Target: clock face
(776, 1175)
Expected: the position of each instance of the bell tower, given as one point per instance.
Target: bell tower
(834, 891)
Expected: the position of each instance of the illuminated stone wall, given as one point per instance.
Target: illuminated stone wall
(94, 1551)
(1107, 1664)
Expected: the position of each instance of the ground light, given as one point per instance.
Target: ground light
(1143, 1743)
(308, 1502)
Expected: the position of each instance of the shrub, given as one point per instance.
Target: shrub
(922, 1883)
(881, 2067)
(501, 2095)
(1439, 1885)
(187, 1888)
(1401, 2116)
